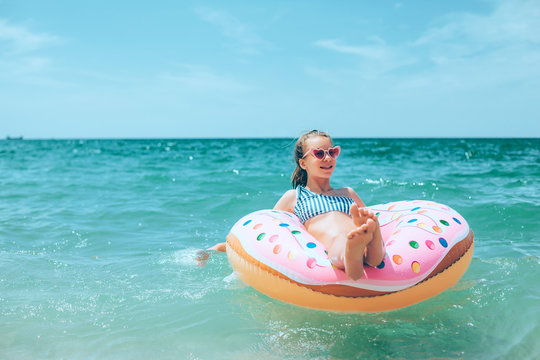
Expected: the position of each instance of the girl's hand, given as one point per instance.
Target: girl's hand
(202, 258)
(203, 255)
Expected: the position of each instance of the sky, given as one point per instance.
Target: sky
(206, 69)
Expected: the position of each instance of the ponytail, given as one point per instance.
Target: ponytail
(300, 176)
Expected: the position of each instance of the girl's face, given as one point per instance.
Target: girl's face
(315, 167)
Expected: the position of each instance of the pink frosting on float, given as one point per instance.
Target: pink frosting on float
(417, 234)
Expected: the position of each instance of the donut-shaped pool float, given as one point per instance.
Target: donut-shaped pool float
(428, 248)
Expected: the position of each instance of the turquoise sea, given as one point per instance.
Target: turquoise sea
(98, 241)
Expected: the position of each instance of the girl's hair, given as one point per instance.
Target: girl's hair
(299, 176)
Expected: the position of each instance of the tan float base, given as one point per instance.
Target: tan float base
(285, 290)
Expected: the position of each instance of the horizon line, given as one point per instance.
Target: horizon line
(20, 138)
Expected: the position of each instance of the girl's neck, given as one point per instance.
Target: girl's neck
(319, 186)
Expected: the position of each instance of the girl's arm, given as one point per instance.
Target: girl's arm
(355, 197)
(219, 247)
(203, 255)
(286, 203)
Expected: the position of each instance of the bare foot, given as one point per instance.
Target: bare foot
(375, 249)
(359, 215)
(357, 240)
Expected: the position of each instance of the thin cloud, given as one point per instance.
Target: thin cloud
(374, 52)
(23, 40)
(23, 59)
(374, 59)
(485, 50)
(232, 28)
(457, 50)
(509, 22)
(204, 80)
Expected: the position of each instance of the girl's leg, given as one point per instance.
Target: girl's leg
(375, 249)
(346, 250)
(357, 242)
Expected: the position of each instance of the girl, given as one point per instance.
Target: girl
(336, 217)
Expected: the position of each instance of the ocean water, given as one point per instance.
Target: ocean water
(98, 241)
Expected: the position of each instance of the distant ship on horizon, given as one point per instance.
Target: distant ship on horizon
(14, 137)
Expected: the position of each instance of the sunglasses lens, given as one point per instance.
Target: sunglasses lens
(319, 154)
(334, 152)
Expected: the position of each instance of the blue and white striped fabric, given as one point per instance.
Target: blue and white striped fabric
(310, 204)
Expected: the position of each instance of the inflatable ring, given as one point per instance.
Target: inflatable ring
(428, 248)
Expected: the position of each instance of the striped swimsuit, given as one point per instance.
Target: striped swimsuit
(310, 204)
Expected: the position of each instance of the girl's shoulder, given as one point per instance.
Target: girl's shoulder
(290, 194)
(344, 191)
(350, 193)
(287, 201)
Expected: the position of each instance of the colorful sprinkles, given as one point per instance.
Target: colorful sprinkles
(415, 267)
(443, 242)
(407, 252)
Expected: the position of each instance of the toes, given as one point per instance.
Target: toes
(358, 231)
(371, 225)
(354, 211)
(364, 211)
(364, 228)
(369, 213)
